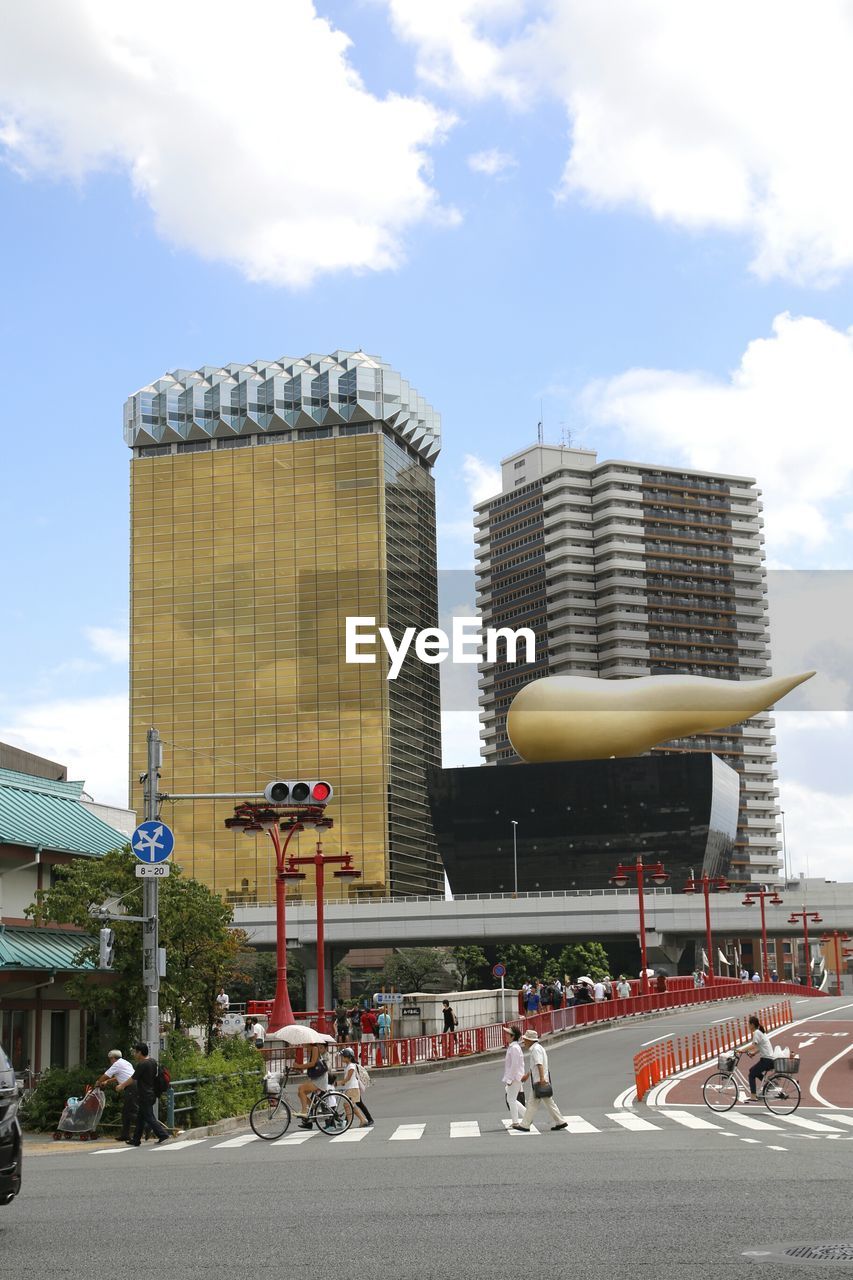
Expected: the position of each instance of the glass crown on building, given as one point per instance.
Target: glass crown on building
(341, 389)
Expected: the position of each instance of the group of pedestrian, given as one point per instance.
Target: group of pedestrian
(517, 1073)
(140, 1087)
(539, 997)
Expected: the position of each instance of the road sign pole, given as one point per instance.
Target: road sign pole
(150, 908)
(503, 1000)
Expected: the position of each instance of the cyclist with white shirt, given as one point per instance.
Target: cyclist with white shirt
(760, 1045)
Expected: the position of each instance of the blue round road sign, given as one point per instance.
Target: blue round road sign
(152, 841)
(499, 970)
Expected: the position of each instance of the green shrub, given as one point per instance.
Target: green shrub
(229, 1078)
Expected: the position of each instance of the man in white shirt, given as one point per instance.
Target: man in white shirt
(513, 1074)
(259, 1034)
(598, 990)
(222, 1001)
(756, 977)
(540, 1079)
(116, 1073)
(623, 988)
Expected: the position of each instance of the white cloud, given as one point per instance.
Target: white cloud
(492, 163)
(716, 115)
(250, 135)
(482, 480)
(109, 642)
(89, 735)
(783, 416)
(819, 832)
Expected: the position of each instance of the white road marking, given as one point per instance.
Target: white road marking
(629, 1120)
(689, 1121)
(758, 1140)
(748, 1122)
(577, 1124)
(837, 1119)
(242, 1141)
(464, 1129)
(111, 1151)
(295, 1139)
(626, 1098)
(352, 1135)
(179, 1146)
(515, 1133)
(815, 1125)
(818, 1074)
(407, 1133)
(769, 1148)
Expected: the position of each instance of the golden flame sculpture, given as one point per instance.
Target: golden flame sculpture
(583, 718)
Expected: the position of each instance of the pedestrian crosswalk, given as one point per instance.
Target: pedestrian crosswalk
(598, 1125)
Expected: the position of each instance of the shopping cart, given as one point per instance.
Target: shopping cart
(81, 1116)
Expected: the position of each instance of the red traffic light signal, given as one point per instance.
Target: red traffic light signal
(287, 791)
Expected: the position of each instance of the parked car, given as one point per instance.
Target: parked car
(11, 1147)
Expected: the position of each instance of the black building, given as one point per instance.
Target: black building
(577, 819)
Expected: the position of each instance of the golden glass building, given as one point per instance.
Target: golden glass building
(269, 502)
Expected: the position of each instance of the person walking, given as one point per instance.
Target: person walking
(368, 1036)
(514, 1075)
(543, 1093)
(354, 1015)
(259, 1034)
(383, 1024)
(342, 1024)
(120, 1072)
(353, 1085)
(449, 1016)
(623, 988)
(145, 1075)
(598, 990)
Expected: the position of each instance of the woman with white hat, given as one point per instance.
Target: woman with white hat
(542, 1092)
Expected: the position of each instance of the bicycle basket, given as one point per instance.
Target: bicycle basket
(786, 1066)
(726, 1062)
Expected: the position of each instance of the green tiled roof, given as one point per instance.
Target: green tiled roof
(38, 812)
(32, 948)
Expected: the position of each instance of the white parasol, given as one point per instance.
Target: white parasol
(587, 982)
(299, 1033)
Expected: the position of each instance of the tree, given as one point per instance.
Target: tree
(583, 958)
(471, 964)
(415, 969)
(260, 976)
(523, 963)
(202, 952)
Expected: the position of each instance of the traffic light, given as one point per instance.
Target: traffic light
(106, 948)
(296, 792)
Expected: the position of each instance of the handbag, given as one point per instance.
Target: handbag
(543, 1090)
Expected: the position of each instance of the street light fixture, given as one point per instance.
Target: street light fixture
(514, 857)
(758, 895)
(658, 876)
(706, 883)
(806, 916)
(836, 936)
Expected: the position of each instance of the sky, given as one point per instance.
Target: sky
(634, 223)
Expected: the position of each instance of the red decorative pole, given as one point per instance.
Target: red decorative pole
(806, 916)
(658, 876)
(347, 872)
(288, 807)
(758, 895)
(836, 936)
(706, 883)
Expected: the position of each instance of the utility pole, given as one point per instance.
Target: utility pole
(150, 907)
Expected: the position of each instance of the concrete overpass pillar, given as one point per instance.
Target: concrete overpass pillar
(663, 953)
(309, 959)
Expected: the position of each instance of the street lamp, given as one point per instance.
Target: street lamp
(784, 848)
(657, 875)
(288, 807)
(758, 895)
(836, 936)
(346, 872)
(514, 857)
(806, 916)
(706, 883)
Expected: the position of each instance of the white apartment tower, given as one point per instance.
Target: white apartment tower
(626, 569)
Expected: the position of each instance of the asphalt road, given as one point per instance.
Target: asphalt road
(457, 1196)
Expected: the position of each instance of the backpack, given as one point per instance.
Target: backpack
(363, 1076)
(162, 1082)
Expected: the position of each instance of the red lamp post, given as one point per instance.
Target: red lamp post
(836, 936)
(758, 895)
(346, 872)
(706, 883)
(289, 807)
(806, 916)
(657, 875)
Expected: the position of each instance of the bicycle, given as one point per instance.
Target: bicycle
(780, 1092)
(329, 1109)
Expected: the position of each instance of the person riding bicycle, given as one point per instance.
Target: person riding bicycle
(316, 1081)
(760, 1045)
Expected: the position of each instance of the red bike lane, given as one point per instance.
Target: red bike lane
(825, 1049)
